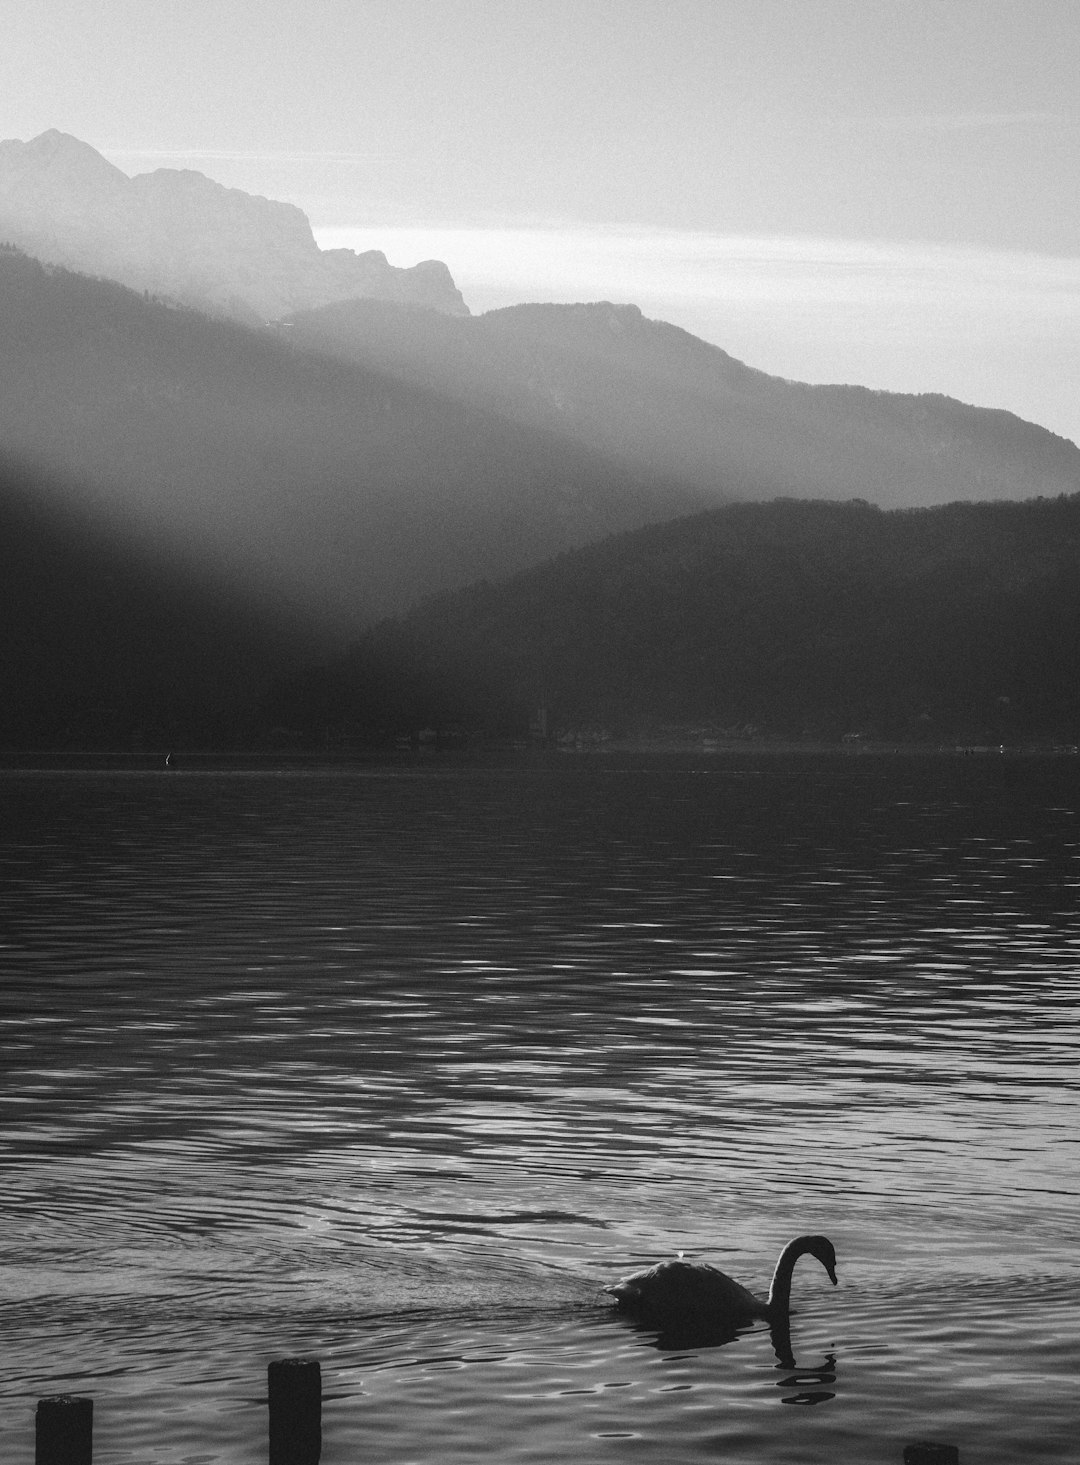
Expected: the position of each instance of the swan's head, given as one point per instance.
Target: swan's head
(822, 1248)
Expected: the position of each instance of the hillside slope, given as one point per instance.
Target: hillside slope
(657, 399)
(332, 485)
(807, 618)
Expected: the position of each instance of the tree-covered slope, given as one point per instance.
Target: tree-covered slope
(657, 399)
(795, 617)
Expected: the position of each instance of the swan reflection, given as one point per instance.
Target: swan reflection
(807, 1380)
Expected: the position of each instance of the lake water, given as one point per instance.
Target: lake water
(395, 1067)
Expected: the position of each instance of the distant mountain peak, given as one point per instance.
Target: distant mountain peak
(52, 139)
(52, 163)
(176, 232)
(56, 144)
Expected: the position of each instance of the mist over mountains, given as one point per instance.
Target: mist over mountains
(176, 232)
(348, 490)
(339, 489)
(655, 398)
(325, 441)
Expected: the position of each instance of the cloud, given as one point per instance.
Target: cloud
(599, 263)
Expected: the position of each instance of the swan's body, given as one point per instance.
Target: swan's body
(685, 1291)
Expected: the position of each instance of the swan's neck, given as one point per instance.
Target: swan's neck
(779, 1303)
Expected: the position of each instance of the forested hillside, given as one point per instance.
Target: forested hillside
(801, 618)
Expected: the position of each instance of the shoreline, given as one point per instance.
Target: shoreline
(500, 755)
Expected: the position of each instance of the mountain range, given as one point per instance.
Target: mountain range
(339, 489)
(349, 486)
(657, 400)
(337, 440)
(178, 233)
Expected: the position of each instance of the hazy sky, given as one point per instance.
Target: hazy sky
(883, 191)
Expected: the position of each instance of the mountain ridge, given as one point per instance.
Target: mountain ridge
(355, 488)
(337, 484)
(645, 395)
(654, 396)
(179, 233)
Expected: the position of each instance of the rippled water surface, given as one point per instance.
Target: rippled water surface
(396, 1067)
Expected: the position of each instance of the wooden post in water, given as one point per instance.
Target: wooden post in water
(294, 1390)
(924, 1452)
(64, 1430)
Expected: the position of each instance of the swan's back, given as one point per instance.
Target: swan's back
(680, 1289)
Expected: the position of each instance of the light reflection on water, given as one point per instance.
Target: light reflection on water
(397, 1067)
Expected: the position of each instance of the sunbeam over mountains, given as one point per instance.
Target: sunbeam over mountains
(656, 398)
(338, 439)
(111, 642)
(330, 484)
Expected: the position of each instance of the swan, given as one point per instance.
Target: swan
(681, 1291)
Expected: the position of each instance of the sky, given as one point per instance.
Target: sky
(877, 191)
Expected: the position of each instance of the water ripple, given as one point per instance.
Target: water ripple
(401, 1068)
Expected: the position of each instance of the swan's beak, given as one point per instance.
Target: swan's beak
(832, 1274)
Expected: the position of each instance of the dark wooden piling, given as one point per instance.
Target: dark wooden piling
(294, 1390)
(924, 1452)
(64, 1430)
